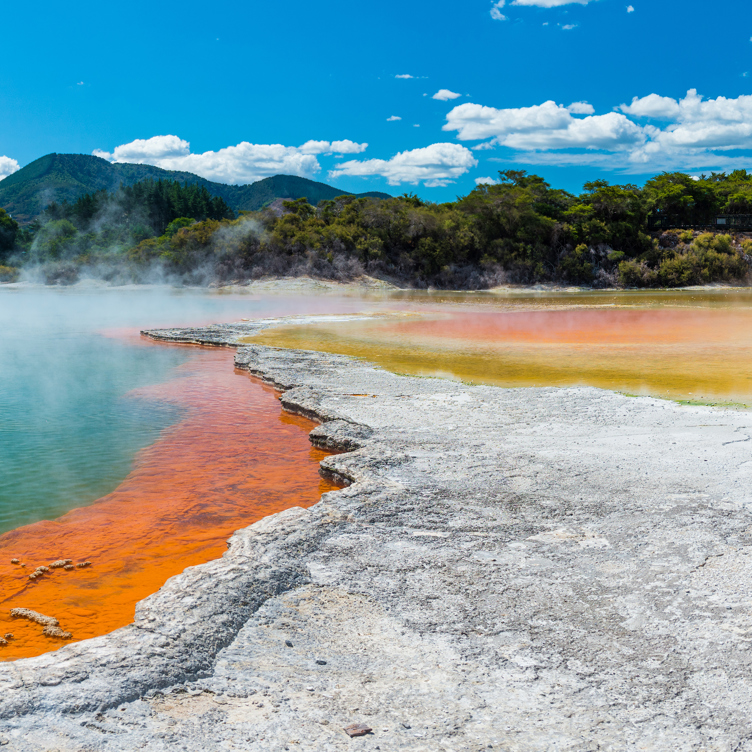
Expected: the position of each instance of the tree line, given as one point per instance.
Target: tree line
(518, 230)
(106, 223)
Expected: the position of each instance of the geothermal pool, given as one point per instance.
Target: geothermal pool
(693, 346)
(143, 457)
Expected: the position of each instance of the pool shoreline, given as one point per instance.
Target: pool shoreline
(507, 564)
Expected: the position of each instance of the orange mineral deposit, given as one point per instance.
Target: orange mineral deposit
(701, 354)
(233, 458)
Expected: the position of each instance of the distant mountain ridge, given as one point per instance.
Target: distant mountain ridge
(60, 177)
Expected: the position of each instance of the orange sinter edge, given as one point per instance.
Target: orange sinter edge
(234, 458)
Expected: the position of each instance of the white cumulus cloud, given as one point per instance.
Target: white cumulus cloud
(475, 121)
(630, 9)
(695, 122)
(545, 126)
(551, 3)
(434, 165)
(652, 133)
(720, 124)
(7, 167)
(486, 181)
(581, 108)
(444, 95)
(496, 13)
(145, 150)
(404, 75)
(243, 163)
(332, 147)
(693, 108)
(393, 118)
(652, 106)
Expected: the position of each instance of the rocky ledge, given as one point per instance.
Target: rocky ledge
(509, 569)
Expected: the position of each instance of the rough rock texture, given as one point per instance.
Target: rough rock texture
(529, 569)
(27, 613)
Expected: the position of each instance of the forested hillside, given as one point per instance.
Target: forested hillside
(65, 177)
(520, 230)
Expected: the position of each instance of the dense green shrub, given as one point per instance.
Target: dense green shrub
(577, 267)
(708, 258)
(519, 230)
(8, 233)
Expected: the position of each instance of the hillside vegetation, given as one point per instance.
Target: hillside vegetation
(67, 177)
(518, 231)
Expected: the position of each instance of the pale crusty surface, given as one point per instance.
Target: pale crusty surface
(529, 569)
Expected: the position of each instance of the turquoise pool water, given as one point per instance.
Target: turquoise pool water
(68, 428)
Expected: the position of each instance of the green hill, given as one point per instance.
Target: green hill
(59, 177)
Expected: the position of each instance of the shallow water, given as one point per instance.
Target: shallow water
(233, 458)
(690, 345)
(178, 451)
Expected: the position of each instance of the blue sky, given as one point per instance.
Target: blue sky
(238, 91)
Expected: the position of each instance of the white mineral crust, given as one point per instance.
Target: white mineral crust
(511, 569)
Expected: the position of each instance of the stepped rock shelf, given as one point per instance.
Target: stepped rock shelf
(509, 569)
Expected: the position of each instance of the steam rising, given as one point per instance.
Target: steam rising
(68, 428)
